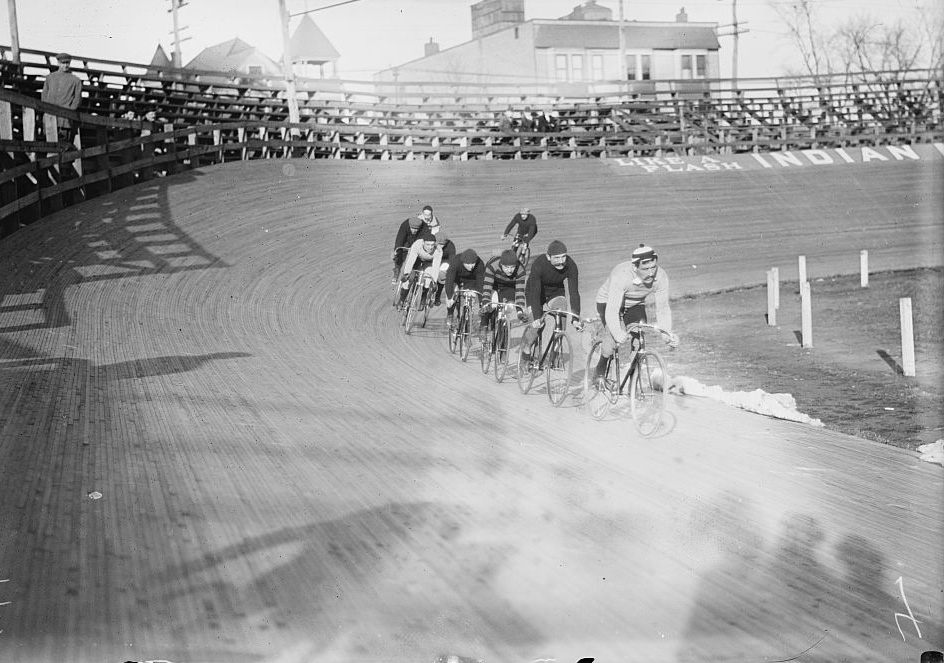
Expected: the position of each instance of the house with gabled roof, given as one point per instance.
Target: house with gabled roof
(236, 58)
(573, 52)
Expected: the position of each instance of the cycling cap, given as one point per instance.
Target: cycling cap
(442, 237)
(556, 248)
(427, 236)
(643, 252)
(415, 222)
(427, 207)
(468, 257)
(508, 258)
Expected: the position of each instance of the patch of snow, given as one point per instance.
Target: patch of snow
(933, 453)
(779, 406)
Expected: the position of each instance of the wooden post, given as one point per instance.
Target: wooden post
(776, 273)
(864, 268)
(771, 299)
(806, 315)
(801, 264)
(907, 337)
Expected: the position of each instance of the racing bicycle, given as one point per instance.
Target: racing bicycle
(642, 377)
(418, 300)
(556, 361)
(460, 334)
(496, 340)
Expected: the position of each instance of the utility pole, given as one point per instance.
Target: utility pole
(736, 30)
(14, 31)
(287, 69)
(176, 56)
(622, 45)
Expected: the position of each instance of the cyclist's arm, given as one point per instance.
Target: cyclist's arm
(514, 222)
(478, 276)
(401, 235)
(437, 261)
(450, 288)
(488, 285)
(532, 289)
(519, 293)
(660, 295)
(410, 259)
(614, 302)
(574, 287)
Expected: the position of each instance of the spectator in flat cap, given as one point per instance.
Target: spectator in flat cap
(62, 88)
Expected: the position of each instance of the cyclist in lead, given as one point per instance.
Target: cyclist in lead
(425, 255)
(467, 271)
(549, 273)
(621, 301)
(410, 231)
(527, 225)
(504, 276)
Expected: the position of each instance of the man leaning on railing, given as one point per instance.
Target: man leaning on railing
(62, 88)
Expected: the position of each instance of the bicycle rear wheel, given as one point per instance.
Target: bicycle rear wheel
(405, 310)
(596, 396)
(465, 334)
(647, 392)
(560, 368)
(527, 374)
(501, 350)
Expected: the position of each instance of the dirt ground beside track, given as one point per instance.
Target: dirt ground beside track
(851, 378)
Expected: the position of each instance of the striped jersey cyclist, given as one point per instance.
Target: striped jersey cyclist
(621, 301)
(504, 282)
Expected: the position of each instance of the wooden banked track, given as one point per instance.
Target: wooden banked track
(217, 445)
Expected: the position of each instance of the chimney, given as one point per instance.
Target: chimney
(681, 17)
(431, 47)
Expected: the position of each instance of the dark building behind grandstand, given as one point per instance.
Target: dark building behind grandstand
(573, 51)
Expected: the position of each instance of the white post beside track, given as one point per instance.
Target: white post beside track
(907, 337)
(864, 268)
(776, 273)
(806, 315)
(771, 299)
(801, 265)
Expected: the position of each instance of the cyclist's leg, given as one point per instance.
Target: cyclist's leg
(529, 337)
(607, 345)
(441, 282)
(405, 282)
(634, 314)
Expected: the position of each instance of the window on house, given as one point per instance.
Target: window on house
(646, 69)
(686, 66)
(255, 70)
(576, 67)
(560, 66)
(596, 63)
(631, 67)
(701, 66)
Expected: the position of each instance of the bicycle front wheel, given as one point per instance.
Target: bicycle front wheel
(501, 350)
(596, 392)
(560, 368)
(526, 373)
(487, 346)
(465, 334)
(413, 307)
(647, 392)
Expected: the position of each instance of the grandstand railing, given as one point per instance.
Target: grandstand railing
(208, 117)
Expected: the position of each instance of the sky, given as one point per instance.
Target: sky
(372, 35)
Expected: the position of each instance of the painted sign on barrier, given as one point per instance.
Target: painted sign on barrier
(786, 159)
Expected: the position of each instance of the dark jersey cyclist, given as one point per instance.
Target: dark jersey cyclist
(546, 281)
(467, 271)
(527, 225)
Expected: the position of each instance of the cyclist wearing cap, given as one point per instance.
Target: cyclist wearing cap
(622, 298)
(410, 231)
(424, 255)
(504, 275)
(467, 271)
(448, 253)
(527, 228)
(545, 282)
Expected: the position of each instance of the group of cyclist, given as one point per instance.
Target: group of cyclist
(506, 280)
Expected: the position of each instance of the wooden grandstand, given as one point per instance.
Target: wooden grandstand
(204, 118)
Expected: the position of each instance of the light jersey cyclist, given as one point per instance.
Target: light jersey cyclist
(622, 298)
(545, 282)
(425, 255)
(504, 276)
(527, 228)
(408, 232)
(467, 271)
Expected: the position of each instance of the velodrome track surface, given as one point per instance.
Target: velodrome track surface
(285, 476)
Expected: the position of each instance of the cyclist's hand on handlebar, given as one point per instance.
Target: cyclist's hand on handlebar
(577, 323)
(621, 337)
(450, 302)
(537, 323)
(522, 317)
(673, 340)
